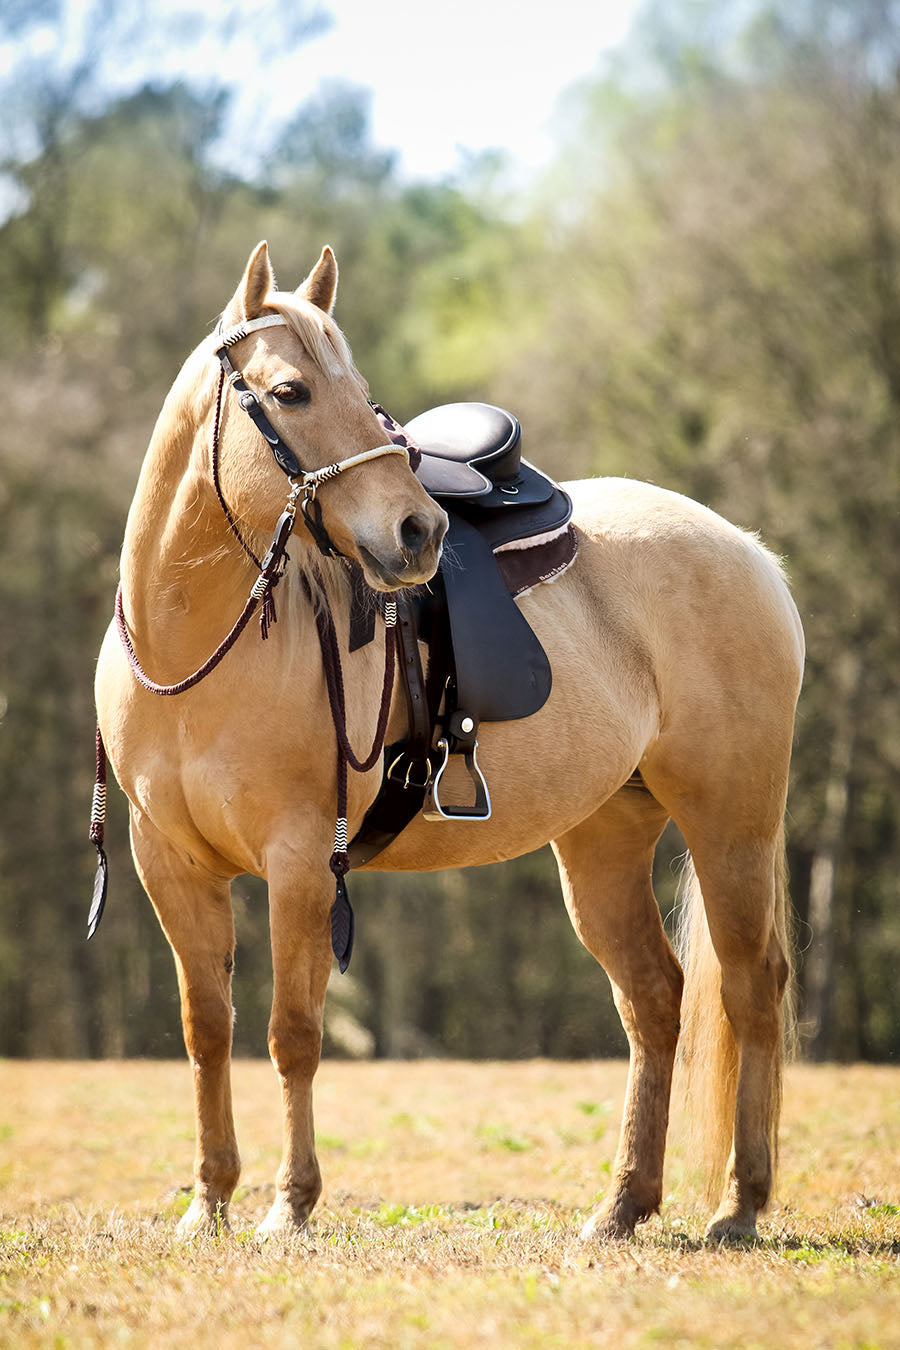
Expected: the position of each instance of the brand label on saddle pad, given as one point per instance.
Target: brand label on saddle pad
(529, 562)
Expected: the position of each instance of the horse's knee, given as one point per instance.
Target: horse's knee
(295, 1044)
(207, 1021)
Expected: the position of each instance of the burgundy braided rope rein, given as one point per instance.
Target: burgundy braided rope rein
(271, 570)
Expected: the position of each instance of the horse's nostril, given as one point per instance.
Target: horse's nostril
(414, 533)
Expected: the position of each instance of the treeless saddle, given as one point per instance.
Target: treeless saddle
(509, 531)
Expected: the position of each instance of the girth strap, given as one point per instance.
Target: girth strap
(408, 764)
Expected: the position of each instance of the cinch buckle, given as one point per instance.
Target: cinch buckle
(409, 781)
(434, 809)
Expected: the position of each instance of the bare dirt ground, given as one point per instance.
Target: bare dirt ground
(453, 1197)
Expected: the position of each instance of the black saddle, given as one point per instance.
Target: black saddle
(484, 661)
(473, 452)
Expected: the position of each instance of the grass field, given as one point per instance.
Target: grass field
(453, 1195)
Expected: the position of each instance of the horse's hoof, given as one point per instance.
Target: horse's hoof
(731, 1230)
(203, 1221)
(615, 1224)
(282, 1222)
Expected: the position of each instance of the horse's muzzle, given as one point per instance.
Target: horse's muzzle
(415, 561)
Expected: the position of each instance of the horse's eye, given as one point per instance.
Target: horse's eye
(292, 391)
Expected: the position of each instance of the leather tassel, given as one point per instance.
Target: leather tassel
(267, 615)
(342, 921)
(98, 903)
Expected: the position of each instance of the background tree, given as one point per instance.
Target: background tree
(722, 317)
(703, 291)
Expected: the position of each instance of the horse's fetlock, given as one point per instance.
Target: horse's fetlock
(218, 1173)
(752, 1189)
(619, 1216)
(639, 1197)
(299, 1196)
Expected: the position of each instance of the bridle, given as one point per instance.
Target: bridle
(305, 482)
(304, 486)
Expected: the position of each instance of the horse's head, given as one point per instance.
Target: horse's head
(303, 376)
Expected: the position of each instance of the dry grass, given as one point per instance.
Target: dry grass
(453, 1194)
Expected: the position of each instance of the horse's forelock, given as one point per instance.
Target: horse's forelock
(320, 336)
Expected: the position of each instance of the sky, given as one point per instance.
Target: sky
(446, 80)
(466, 76)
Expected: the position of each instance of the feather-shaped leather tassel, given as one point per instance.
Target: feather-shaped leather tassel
(342, 925)
(98, 903)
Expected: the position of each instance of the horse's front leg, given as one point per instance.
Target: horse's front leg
(194, 909)
(301, 891)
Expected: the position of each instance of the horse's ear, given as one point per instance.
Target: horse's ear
(320, 287)
(257, 281)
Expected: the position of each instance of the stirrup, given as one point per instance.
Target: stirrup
(434, 809)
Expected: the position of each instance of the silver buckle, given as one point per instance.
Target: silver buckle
(409, 781)
(435, 809)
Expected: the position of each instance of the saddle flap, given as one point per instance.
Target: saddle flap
(502, 671)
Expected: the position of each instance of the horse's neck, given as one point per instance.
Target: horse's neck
(185, 577)
(183, 571)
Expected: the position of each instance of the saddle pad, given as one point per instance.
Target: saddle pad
(530, 562)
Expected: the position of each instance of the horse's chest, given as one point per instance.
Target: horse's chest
(214, 780)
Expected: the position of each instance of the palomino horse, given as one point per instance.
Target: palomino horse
(676, 651)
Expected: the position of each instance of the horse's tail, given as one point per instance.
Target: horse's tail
(707, 1049)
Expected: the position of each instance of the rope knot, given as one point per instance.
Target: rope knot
(339, 863)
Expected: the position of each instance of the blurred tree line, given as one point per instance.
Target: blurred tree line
(703, 290)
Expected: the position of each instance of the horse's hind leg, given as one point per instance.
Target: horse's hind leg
(605, 868)
(740, 876)
(194, 909)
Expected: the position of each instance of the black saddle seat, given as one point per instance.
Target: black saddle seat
(473, 451)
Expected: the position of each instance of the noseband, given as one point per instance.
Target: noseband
(304, 482)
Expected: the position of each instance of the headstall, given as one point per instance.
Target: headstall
(305, 481)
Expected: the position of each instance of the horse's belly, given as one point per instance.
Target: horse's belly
(547, 772)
